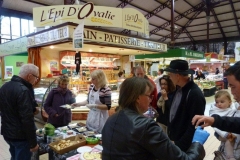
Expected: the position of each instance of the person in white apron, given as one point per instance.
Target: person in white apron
(99, 101)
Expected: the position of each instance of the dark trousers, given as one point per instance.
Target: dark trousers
(19, 150)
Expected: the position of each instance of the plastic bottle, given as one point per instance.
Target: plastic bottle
(150, 112)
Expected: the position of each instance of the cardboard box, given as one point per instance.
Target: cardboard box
(80, 138)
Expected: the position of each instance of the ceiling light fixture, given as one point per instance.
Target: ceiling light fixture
(90, 50)
(51, 47)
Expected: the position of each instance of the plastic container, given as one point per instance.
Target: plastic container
(54, 138)
(49, 131)
(91, 140)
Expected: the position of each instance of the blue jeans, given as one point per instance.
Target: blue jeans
(19, 150)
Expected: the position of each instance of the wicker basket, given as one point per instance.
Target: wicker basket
(80, 138)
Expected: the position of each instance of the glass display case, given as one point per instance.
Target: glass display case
(41, 91)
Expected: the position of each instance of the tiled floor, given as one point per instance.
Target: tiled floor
(210, 146)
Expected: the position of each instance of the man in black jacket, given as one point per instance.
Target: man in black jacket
(17, 105)
(187, 102)
(229, 124)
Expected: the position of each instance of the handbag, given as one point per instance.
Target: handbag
(219, 155)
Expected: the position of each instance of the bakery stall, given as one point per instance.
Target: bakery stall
(109, 52)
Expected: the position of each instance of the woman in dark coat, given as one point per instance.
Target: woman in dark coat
(165, 97)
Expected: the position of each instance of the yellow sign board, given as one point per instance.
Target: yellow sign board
(133, 20)
(93, 16)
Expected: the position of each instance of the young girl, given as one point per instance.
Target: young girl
(229, 142)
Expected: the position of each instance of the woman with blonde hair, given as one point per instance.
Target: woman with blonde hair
(98, 101)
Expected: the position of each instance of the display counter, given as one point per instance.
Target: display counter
(208, 87)
(45, 143)
(78, 113)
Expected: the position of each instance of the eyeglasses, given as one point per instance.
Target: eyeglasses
(149, 96)
(163, 84)
(35, 76)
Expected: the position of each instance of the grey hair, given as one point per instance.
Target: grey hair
(28, 69)
(139, 68)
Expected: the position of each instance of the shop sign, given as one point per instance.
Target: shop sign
(133, 20)
(49, 36)
(109, 38)
(92, 16)
(193, 54)
(95, 36)
(78, 36)
(14, 46)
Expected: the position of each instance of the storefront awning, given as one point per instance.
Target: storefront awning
(173, 53)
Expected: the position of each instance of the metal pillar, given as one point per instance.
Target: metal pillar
(172, 22)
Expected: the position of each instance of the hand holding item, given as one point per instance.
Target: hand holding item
(91, 106)
(34, 149)
(164, 94)
(200, 135)
(75, 105)
(203, 121)
(231, 137)
(37, 110)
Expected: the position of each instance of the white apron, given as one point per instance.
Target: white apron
(96, 117)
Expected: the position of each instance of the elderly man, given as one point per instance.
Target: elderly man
(17, 105)
(229, 124)
(140, 72)
(187, 102)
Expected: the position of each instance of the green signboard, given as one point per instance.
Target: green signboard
(173, 53)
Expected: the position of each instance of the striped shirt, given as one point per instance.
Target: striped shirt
(105, 95)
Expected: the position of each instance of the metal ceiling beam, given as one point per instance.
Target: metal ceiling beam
(213, 22)
(189, 36)
(124, 3)
(188, 3)
(183, 29)
(209, 34)
(228, 39)
(158, 9)
(223, 13)
(197, 7)
(43, 4)
(214, 29)
(170, 9)
(218, 23)
(235, 16)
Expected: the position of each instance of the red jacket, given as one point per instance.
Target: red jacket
(154, 94)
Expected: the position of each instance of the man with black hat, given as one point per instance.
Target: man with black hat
(187, 102)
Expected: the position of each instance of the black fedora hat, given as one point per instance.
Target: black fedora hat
(179, 66)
